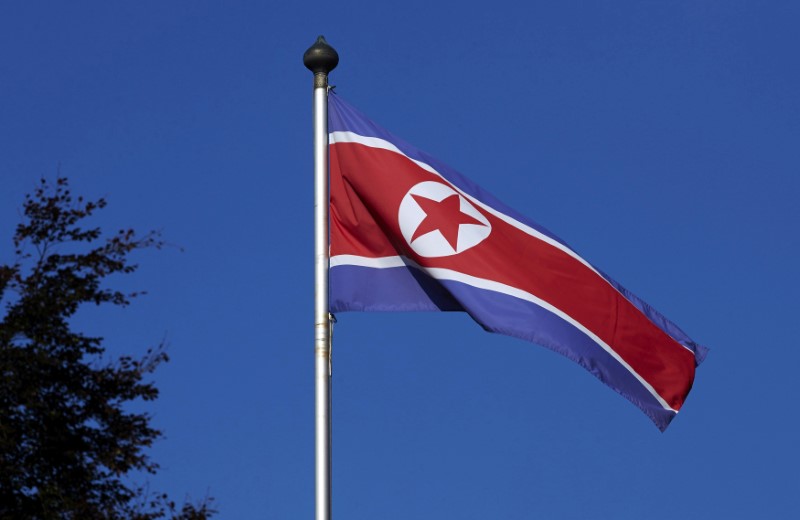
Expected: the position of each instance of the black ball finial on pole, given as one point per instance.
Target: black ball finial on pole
(321, 58)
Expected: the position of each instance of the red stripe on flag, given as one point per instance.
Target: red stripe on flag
(367, 186)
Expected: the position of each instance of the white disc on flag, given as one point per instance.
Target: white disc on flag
(435, 224)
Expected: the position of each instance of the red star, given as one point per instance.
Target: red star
(446, 216)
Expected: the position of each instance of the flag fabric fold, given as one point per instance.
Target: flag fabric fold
(409, 233)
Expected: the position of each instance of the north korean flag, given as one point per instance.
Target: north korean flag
(409, 233)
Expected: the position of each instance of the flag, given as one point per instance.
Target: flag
(408, 233)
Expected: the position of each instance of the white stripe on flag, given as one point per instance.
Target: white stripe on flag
(437, 273)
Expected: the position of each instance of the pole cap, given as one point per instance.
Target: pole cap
(321, 57)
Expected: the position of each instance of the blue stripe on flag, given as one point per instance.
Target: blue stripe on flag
(360, 288)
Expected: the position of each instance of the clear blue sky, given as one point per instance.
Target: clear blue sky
(658, 138)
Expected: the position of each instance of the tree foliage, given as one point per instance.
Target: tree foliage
(69, 442)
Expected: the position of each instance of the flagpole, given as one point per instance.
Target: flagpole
(320, 59)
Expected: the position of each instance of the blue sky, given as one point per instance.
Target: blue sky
(657, 138)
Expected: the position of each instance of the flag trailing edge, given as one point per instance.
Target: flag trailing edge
(409, 233)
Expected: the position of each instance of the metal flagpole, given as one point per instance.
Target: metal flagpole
(320, 59)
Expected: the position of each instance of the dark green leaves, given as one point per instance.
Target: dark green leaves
(68, 440)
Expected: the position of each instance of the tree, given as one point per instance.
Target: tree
(68, 442)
